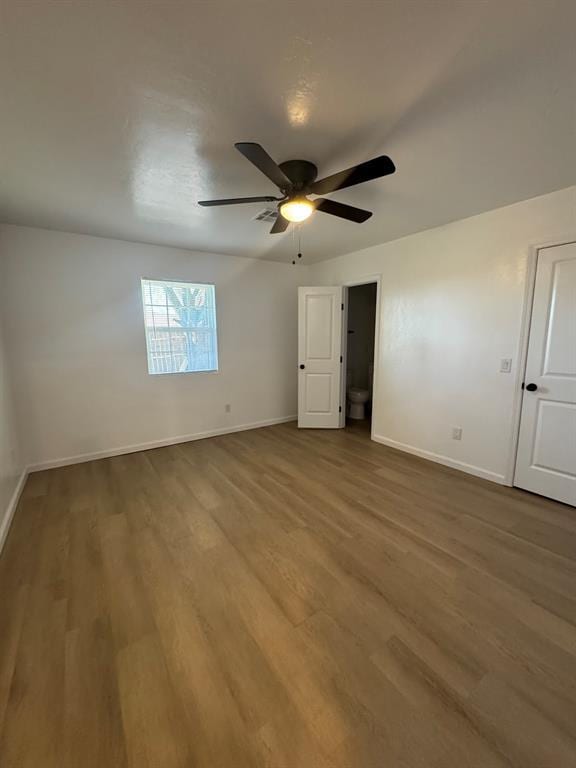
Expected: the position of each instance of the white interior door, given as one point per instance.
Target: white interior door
(546, 461)
(319, 357)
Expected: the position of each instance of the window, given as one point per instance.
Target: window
(180, 323)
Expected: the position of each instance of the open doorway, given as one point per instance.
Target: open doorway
(361, 334)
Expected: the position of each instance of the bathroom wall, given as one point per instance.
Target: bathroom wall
(361, 327)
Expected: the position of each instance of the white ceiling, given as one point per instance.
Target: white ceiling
(118, 117)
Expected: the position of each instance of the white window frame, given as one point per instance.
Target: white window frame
(174, 281)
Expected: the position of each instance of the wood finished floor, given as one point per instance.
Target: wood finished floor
(285, 598)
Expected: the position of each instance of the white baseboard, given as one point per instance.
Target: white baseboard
(9, 511)
(485, 474)
(82, 457)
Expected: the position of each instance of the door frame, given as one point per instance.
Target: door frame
(364, 280)
(522, 348)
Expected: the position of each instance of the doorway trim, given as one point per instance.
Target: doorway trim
(522, 348)
(363, 280)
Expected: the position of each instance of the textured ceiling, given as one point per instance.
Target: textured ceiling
(118, 117)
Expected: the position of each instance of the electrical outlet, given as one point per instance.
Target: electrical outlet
(506, 365)
(227, 408)
(456, 433)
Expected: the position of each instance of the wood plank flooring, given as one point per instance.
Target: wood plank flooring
(289, 599)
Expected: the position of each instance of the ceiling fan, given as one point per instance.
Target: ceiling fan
(296, 179)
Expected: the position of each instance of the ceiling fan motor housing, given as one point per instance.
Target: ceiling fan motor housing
(300, 172)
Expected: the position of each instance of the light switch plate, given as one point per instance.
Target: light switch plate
(506, 365)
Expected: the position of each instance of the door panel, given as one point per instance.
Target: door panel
(546, 461)
(560, 359)
(555, 425)
(318, 324)
(319, 350)
(318, 392)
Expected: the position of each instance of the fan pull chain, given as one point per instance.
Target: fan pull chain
(299, 226)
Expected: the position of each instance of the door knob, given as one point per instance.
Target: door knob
(531, 387)
(302, 366)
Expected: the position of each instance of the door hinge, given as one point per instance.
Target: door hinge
(339, 409)
(341, 359)
(342, 307)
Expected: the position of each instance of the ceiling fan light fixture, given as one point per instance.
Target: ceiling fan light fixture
(296, 210)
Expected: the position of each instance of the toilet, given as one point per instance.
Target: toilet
(357, 399)
(357, 396)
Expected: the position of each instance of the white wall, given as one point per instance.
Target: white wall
(76, 337)
(451, 307)
(11, 460)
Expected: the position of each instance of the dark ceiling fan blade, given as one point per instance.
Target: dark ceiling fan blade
(342, 210)
(262, 160)
(280, 225)
(358, 174)
(236, 200)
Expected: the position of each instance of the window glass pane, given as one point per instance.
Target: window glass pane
(180, 324)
